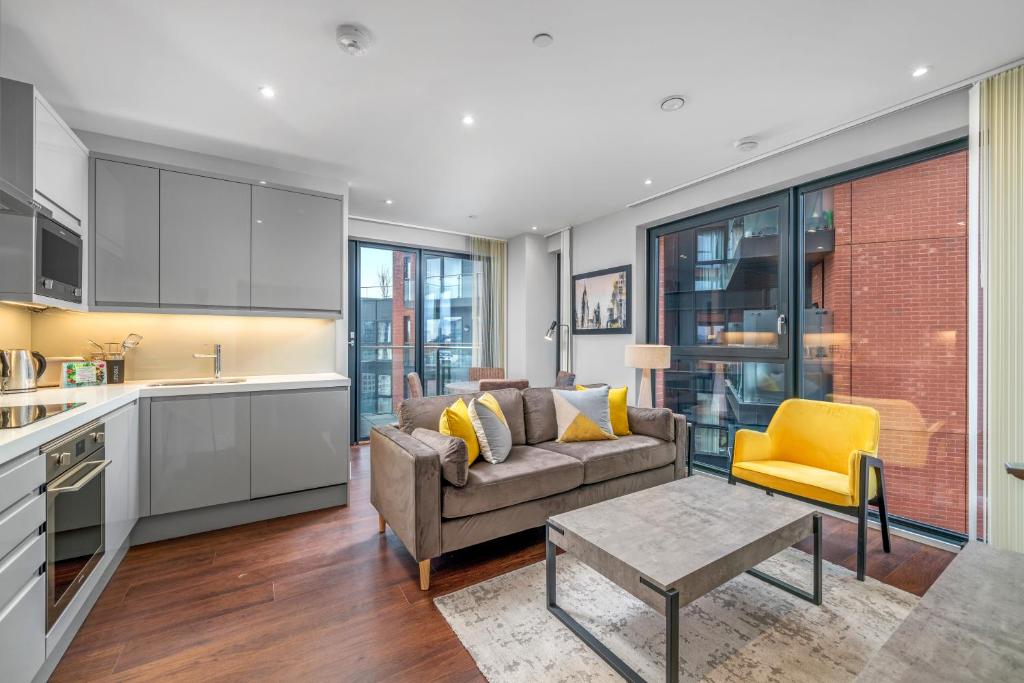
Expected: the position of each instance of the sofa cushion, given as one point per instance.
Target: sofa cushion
(603, 460)
(527, 474)
(426, 411)
(801, 480)
(539, 415)
(453, 452)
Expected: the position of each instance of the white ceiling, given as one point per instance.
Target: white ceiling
(563, 134)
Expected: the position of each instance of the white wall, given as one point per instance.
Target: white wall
(406, 236)
(531, 308)
(620, 237)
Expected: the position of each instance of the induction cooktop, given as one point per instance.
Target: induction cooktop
(13, 417)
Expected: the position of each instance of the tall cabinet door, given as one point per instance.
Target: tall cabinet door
(204, 241)
(296, 250)
(127, 230)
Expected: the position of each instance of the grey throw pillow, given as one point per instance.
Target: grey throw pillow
(491, 429)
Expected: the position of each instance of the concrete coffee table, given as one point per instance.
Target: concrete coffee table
(671, 544)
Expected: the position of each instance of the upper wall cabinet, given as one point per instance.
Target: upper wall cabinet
(170, 239)
(61, 167)
(296, 251)
(126, 229)
(204, 241)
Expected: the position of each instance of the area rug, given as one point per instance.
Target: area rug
(746, 630)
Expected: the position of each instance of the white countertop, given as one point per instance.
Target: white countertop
(103, 399)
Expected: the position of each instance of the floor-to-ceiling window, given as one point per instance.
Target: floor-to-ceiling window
(412, 311)
(884, 299)
(879, 284)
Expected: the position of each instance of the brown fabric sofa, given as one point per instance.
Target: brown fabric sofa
(422, 486)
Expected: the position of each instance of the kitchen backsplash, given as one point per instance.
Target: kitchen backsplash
(250, 345)
(15, 327)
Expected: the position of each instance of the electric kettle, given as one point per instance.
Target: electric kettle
(21, 369)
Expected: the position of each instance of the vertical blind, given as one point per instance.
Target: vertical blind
(1001, 147)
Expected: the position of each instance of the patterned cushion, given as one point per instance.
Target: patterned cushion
(491, 428)
(455, 421)
(582, 415)
(617, 409)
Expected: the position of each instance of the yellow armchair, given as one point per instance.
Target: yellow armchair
(820, 452)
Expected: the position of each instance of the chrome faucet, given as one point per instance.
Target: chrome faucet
(216, 359)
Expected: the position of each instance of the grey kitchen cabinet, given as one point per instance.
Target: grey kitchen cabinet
(126, 227)
(204, 241)
(299, 440)
(296, 250)
(23, 633)
(122, 476)
(199, 451)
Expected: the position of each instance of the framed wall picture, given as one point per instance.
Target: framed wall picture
(602, 301)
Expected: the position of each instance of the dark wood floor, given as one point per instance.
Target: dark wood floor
(322, 596)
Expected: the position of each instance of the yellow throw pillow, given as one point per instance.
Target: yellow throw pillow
(455, 422)
(616, 410)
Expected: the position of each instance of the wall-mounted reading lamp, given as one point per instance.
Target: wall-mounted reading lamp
(550, 336)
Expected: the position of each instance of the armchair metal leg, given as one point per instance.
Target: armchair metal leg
(862, 519)
(883, 515)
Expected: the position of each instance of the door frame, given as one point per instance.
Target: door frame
(355, 321)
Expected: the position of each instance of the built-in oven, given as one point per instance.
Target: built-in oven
(75, 524)
(58, 260)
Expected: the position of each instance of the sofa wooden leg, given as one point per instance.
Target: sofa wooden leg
(425, 575)
(381, 524)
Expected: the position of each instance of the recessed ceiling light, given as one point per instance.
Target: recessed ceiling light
(647, 181)
(468, 120)
(267, 92)
(748, 144)
(543, 39)
(919, 71)
(533, 227)
(672, 103)
(263, 182)
(389, 202)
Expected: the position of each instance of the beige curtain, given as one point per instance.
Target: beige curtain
(489, 295)
(1001, 201)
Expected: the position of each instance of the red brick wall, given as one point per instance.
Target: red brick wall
(897, 285)
(398, 315)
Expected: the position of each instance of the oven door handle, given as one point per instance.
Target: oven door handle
(57, 488)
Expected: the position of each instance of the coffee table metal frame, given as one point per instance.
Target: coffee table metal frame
(672, 606)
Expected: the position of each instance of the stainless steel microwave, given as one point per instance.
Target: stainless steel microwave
(58, 260)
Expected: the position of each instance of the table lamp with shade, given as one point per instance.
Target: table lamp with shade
(647, 357)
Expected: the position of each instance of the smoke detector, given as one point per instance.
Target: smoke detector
(354, 40)
(748, 144)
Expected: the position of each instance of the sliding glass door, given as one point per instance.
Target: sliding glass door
(412, 311)
(722, 304)
(447, 320)
(383, 332)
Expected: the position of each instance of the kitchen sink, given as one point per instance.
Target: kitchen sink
(193, 382)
